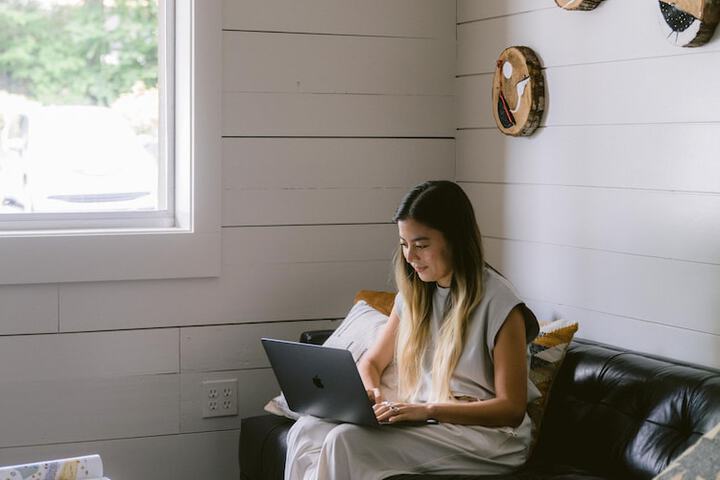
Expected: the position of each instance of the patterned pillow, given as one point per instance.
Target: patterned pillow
(547, 352)
(701, 461)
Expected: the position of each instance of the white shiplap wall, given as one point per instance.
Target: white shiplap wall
(331, 111)
(610, 213)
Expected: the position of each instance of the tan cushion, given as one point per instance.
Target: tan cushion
(380, 301)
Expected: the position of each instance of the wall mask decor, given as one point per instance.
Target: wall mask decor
(518, 92)
(578, 4)
(689, 23)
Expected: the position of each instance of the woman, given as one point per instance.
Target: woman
(459, 335)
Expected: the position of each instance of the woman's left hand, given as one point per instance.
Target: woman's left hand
(401, 412)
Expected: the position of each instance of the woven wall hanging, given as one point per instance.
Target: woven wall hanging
(689, 23)
(518, 92)
(578, 4)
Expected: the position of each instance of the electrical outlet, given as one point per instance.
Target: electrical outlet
(219, 398)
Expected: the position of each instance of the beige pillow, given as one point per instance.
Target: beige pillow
(356, 333)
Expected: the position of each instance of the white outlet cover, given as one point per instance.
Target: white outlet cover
(219, 398)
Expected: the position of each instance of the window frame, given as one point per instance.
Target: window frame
(191, 246)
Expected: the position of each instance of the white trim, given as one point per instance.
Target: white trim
(166, 146)
(62, 223)
(192, 247)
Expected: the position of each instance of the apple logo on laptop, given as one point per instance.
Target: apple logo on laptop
(318, 382)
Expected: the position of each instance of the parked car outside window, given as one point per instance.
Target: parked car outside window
(74, 159)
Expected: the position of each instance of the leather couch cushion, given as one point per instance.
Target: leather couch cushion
(262, 447)
(381, 301)
(625, 415)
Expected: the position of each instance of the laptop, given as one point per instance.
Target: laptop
(321, 381)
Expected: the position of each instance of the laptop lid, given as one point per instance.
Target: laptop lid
(320, 381)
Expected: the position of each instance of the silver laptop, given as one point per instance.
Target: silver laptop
(320, 381)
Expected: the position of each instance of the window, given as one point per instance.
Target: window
(84, 110)
(150, 207)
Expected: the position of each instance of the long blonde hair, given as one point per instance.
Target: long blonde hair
(443, 206)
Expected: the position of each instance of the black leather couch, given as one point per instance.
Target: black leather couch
(613, 414)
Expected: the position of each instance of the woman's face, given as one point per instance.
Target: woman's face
(426, 250)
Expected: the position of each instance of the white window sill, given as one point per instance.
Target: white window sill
(109, 256)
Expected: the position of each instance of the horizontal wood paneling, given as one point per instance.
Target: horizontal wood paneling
(269, 274)
(335, 115)
(89, 355)
(255, 389)
(668, 157)
(669, 292)
(167, 457)
(311, 206)
(255, 293)
(35, 412)
(298, 273)
(272, 62)
(236, 347)
(293, 163)
(61, 257)
(608, 219)
(639, 91)
(635, 34)
(139, 304)
(469, 10)
(649, 337)
(474, 105)
(28, 309)
(243, 247)
(311, 181)
(415, 18)
(301, 291)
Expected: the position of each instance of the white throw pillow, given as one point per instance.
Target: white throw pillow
(356, 333)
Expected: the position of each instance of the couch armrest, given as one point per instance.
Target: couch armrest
(316, 337)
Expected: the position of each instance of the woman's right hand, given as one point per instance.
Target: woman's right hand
(374, 395)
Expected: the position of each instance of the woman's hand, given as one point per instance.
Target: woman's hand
(401, 412)
(374, 395)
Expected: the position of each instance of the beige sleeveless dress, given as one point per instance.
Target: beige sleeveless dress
(324, 450)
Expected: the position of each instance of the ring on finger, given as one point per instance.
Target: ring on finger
(394, 408)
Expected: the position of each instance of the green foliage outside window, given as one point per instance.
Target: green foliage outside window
(84, 52)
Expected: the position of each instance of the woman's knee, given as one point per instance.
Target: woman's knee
(343, 435)
(297, 429)
(308, 431)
